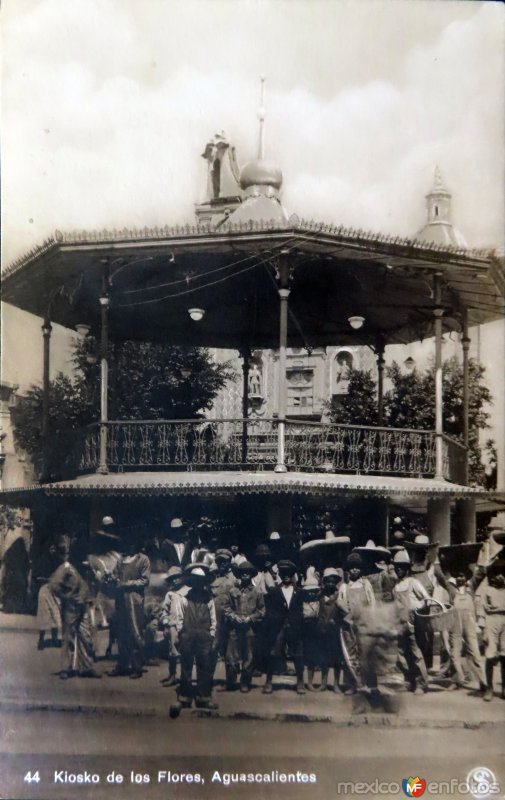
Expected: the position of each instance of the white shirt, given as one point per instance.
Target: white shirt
(287, 591)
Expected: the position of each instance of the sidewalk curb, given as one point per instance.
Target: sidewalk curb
(351, 721)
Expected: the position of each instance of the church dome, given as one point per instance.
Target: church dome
(260, 172)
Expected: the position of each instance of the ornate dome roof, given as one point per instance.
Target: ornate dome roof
(260, 172)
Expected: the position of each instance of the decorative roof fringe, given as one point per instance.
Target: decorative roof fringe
(304, 226)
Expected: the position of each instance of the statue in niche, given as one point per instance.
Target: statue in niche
(344, 367)
(255, 381)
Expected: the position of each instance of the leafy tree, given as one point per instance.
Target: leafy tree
(410, 403)
(359, 405)
(146, 381)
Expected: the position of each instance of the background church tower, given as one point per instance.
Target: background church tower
(439, 228)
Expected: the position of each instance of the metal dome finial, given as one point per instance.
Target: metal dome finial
(261, 116)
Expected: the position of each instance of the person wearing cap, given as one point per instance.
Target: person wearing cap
(176, 550)
(48, 604)
(134, 571)
(237, 557)
(267, 578)
(465, 630)
(409, 594)
(176, 588)
(223, 581)
(311, 637)
(493, 604)
(356, 601)
(264, 581)
(244, 609)
(329, 624)
(429, 574)
(378, 570)
(77, 655)
(103, 564)
(194, 620)
(284, 625)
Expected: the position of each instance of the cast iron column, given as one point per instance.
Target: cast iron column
(246, 363)
(104, 383)
(439, 393)
(283, 283)
(380, 382)
(465, 341)
(46, 335)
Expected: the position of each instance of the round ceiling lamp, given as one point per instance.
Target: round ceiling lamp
(196, 313)
(356, 322)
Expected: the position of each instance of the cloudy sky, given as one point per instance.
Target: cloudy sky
(108, 104)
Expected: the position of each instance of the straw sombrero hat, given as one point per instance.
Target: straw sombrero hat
(421, 542)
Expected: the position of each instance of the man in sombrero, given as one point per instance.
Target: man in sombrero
(194, 620)
(422, 553)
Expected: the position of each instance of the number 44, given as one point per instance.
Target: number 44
(32, 778)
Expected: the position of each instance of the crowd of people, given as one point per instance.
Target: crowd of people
(369, 615)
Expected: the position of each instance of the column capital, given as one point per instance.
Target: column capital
(284, 293)
(438, 313)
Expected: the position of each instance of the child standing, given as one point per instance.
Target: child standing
(493, 602)
(357, 602)
(329, 626)
(194, 619)
(465, 630)
(244, 608)
(409, 594)
(310, 631)
(77, 654)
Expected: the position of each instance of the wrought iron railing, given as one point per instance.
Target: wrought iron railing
(252, 444)
(183, 444)
(360, 449)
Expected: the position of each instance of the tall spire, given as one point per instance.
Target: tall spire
(438, 227)
(438, 184)
(261, 116)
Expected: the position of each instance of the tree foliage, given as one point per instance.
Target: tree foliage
(146, 381)
(359, 405)
(410, 403)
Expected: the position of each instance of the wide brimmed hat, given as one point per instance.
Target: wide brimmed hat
(197, 572)
(274, 536)
(285, 565)
(373, 552)
(311, 584)
(176, 522)
(246, 568)
(459, 556)
(498, 536)
(172, 574)
(401, 557)
(496, 567)
(223, 554)
(421, 542)
(333, 572)
(329, 541)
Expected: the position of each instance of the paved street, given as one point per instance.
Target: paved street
(48, 742)
(48, 725)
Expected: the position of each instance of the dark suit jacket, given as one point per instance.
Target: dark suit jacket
(170, 556)
(278, 613)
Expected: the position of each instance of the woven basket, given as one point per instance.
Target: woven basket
(436, 616)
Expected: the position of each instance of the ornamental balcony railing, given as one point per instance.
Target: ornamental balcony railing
(245, 444)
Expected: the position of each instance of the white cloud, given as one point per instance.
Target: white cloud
(107, 106)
